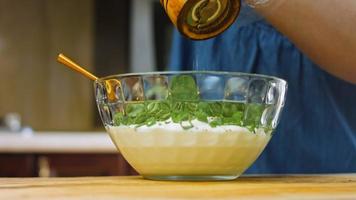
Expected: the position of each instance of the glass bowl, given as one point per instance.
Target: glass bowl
(197, 125)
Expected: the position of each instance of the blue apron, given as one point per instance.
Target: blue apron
(317, 130)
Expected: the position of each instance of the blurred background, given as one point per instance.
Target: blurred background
(49, 124)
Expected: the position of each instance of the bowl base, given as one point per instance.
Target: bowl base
(192, 178)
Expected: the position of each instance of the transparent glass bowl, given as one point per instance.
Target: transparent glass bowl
(200, 125)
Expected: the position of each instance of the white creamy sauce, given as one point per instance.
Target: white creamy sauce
(168, 149)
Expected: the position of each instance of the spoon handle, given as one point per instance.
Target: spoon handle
(71, 64)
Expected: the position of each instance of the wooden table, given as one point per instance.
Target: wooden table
(252, 187)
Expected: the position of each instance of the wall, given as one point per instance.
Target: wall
(46, 94)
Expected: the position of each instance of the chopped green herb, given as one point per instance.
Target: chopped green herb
(183, 105)
(201, 116)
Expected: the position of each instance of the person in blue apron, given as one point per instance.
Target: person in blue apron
(317, 130)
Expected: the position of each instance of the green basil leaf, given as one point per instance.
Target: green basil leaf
(183, 88)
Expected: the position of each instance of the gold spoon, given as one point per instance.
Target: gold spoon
(110, 84)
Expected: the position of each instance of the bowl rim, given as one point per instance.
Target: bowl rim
(190, 72)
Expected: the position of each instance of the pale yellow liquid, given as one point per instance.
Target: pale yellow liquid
(159, 151)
